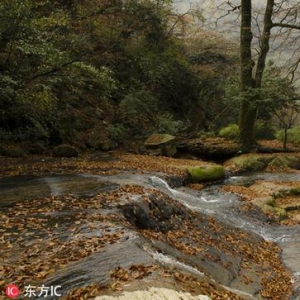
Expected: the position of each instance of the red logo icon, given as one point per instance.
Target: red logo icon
(12, 291)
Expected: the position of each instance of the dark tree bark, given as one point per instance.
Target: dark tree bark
(248, 108)
(249, 102)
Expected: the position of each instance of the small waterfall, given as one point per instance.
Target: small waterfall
(224, 208)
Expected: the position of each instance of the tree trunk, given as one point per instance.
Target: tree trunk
(248, 108)
(249, 103)
(285, 137)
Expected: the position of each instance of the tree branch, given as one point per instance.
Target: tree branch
(53, 70)
(284, 25)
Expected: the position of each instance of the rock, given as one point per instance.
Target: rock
(138, 215)
(154, 293)
(285, 162)
(161, 144)
(258, 162)
(155, 215)
(207, 173)
(248, 162)
(65, 150)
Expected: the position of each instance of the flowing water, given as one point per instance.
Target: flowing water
(211, 201)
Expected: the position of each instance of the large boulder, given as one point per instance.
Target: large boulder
(206, 173)
(161, 144)
(65, 150)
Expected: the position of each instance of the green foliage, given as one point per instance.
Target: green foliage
(166, 124)
(204, 134)
(263, 130)
(230, 132)
(75, 66)
(293, 135)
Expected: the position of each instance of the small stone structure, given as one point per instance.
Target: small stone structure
(161, 144)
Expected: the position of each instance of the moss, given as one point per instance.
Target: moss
(203, 174)
(271, 202)
(250, 162)
(229, 132)
(295, 191)
(280, 212)
(287, 161)
(271, 207)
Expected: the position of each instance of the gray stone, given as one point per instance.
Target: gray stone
(161, 144)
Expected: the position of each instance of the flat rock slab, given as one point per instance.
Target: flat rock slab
(154, 293)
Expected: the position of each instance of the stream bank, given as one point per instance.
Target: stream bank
(112, 225)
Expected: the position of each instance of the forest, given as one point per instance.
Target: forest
(149, 152)
(101, 74)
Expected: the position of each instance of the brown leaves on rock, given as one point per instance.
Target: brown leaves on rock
(132, 273)
(44, 235)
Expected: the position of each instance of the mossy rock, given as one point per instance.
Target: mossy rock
(250, 162)
(65, 150)
(204, 174)
(287, 161)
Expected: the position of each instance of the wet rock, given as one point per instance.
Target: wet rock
(161, 144)
(175, 181)
(65, 150)
(158, 214)
(138, 215)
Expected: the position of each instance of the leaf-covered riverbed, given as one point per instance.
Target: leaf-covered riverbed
(88, 236)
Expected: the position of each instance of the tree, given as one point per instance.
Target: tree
(280, 15)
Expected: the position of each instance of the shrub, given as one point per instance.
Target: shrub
(229, 132)
(166, 124)
(263, 131)
(293, 135)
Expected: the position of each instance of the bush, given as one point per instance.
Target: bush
(293, 135)
(229, 132)
(263, 131)
(166, 124)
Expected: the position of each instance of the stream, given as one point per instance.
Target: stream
(132, 248)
